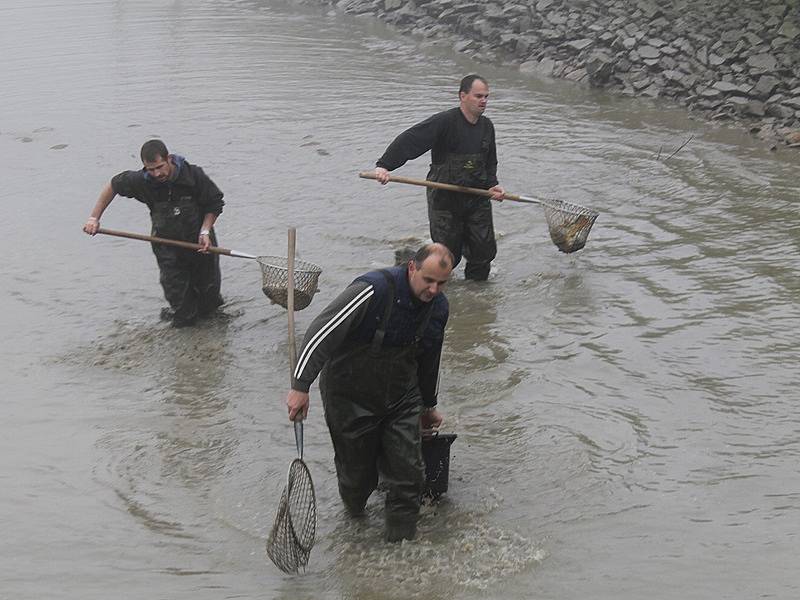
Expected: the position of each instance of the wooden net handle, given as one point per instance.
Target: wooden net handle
(447, 186)
(169, 242)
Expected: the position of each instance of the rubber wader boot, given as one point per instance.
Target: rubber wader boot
(397, 531)
(477, 271)
(353, 506)
(168, 314)
(178, 322)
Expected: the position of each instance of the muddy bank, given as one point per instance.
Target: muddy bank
(737, 62)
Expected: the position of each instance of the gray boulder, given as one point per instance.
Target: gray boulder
(648, 52)
(738, 103)
(579, 45)
(765, 87)
(762, 63)
(755, 108)
(538, 67)
(789, 30)
(726, 87)
(600, 68)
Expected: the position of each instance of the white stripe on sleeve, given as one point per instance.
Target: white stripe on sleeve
(315, 341)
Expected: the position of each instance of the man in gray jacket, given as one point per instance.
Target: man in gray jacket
(378, 347)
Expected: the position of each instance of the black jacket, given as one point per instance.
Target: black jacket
(190, 181)
(445, 133)
(354, 316)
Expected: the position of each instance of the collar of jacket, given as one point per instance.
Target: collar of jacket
(404, 296)
(183, 176)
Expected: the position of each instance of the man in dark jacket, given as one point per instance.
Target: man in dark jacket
(378, 346)
(463, 152)
(184, 205)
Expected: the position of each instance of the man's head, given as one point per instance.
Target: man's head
(156, 160)
(429, 271)
(473, 94)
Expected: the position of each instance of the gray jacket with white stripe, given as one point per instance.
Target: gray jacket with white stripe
(354, 316)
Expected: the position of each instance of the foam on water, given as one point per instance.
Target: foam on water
(452, 550)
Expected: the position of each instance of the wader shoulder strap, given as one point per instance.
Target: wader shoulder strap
(377, 339)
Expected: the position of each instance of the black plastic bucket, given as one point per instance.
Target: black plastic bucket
(436, 452)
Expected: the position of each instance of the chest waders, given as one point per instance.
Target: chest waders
(191, 281)
(463, 222)
(372, 407)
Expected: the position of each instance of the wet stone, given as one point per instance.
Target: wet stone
(763, 62)
(726, 87)
(649, 52)
(789, 30)
(715, 60)
(765, 86)
(792, 102)
(755, 108)
(779, 111)
(580, 44)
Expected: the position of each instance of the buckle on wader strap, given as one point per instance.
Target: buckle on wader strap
(380, 333)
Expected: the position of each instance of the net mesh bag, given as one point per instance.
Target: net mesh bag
(275, 280)
(569, 224)
(293, 532)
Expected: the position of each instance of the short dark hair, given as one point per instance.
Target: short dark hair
(446, 258)
(466, 83)
(152, 150)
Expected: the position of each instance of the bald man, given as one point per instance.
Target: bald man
(378, 347)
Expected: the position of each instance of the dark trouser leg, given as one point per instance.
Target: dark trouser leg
(207, 280)
(480, 247)
(355, 435)
(477, 271)
(402, 468)
(176, 280)
(446, 226)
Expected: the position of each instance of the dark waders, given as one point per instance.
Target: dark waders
(372, 407)
(462, 222)
(191, 280)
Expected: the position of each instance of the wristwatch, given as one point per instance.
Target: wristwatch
(205, 232)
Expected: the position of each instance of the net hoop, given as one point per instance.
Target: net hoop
(294, 530)
(275, 280)
(302, 503)
(569, 224)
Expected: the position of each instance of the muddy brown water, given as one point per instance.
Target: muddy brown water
(627, 415)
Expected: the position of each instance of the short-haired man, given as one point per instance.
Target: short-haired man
(378, 346)
(463, 152)
(184, 205)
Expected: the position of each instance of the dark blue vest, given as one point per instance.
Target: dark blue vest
(407, 312)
